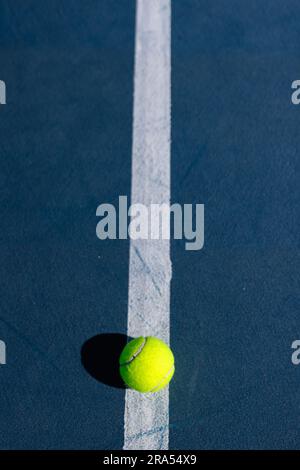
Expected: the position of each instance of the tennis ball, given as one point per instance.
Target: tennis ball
(146, 364)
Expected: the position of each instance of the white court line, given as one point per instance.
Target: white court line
(147, 416)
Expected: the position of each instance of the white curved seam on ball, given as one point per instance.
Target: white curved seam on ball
(135, 354)
(163, 379)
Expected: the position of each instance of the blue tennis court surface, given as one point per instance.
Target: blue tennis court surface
(66, 147)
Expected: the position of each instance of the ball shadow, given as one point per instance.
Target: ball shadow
(100, 357)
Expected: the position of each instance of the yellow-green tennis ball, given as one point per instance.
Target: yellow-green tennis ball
(146, 364)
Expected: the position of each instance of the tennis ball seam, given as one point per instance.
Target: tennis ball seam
(134, 355)
(163, 379)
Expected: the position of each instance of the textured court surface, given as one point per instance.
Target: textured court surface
(66, 146)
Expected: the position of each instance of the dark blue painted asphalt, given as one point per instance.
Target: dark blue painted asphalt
(235, 304)
(65, 147)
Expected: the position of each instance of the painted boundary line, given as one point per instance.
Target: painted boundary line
(146, 415)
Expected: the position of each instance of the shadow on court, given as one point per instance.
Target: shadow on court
(100, 357)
